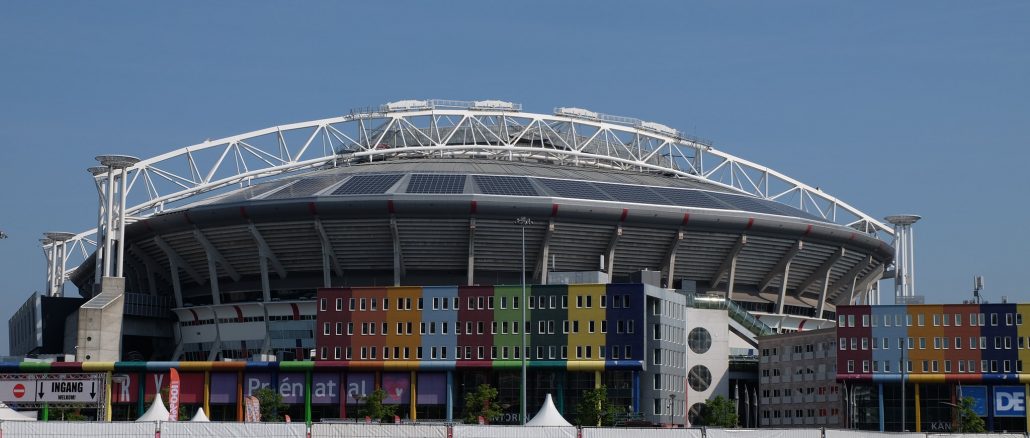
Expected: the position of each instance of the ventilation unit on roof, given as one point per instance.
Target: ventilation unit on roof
(576, 112)
(659, 128)
(495, 105)
(406, 105)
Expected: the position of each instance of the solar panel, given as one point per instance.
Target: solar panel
(630, 193)
(251, 192)
(574, 189)
(504, 185)
(747, 204)
(794, 211)
(439, 184)
(690, 198)
(305, 187)
(367, 184)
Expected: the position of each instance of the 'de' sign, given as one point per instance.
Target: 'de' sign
(1009, 401)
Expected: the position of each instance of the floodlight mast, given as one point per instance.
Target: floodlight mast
(117, 168)
(905, 257)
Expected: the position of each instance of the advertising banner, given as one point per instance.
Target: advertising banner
(124, 387)
(359, 385)
(397, 387)
(432, 389)
(1009, 401)
(223, 388)
(291, 387)
(255, 381)
(979, 396)
(173, 395)
(325, 388)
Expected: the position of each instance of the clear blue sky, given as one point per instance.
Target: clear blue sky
(895, 107)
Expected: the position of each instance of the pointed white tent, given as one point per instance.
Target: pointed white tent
(199, 416)
(156, 412)
(548, 415)
(8, 414)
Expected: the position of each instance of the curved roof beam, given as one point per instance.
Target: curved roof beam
(459, 129)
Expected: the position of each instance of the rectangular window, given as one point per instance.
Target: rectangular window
(325, 328)
(851, 320)
(363, 304)
(350, 304)
(553, 304)
(936, 320)
(490, 302)
(339, 328)
(590, 301)
(604, 326)
(339, 304)
(615, 351)
(865, 320)
(604, 301)
(921, 319)
(386, 304)
(657, 356)
(372, 303)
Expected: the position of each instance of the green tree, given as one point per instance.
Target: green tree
(372, 407)
(272, 406)
(969, 421)
(481, 403)
(719, 412)
(596, 409)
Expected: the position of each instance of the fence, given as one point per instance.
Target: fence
(20, 429)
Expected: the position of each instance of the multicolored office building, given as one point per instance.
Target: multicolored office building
(918, 361)
(577, 337)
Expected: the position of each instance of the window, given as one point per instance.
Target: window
(851, 320)
(656, 357)
(958, 320)
(921, 319)
(339, 329)
(865, 320)
(325, 328)
(386, 304)
(994, 319)
(851, 366)
(350, 304)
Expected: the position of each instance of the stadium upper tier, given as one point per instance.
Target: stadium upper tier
(425, 192)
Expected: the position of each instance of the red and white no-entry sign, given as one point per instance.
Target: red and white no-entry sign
(18, 391)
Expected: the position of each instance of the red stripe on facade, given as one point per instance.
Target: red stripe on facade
(554, 210)
(472, 207)
(625, 212)
(389, 206)
(686, 218)
(243, 213)
(296, 311)
(312, 209)
(801, 326)
(195, 317)
(239, 313)
(808, 230)
(750, 223)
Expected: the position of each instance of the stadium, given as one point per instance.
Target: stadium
(231, 249)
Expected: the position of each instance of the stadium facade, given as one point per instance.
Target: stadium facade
(224, 251)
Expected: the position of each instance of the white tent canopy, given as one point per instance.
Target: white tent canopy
(8, 414)
(200, 416)
(548, 415)
(156, 412)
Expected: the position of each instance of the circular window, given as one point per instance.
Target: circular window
(699, 378)
(694, 414)
(700, 340)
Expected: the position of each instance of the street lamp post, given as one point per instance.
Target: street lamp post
(523, 221)
(672, 410)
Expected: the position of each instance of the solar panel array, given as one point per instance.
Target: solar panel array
(251, 192)
(745, 203)
(692, 198)
(574, 189)
(305, 187)
(504, 185)
(436, 183)
(630, 193)
(367, 184)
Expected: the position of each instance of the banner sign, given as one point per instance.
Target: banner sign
(253, 410)
(223, 388)
(173, 395)
(359, 385)
(52, 387)
(1009, 401)
(291, 387)
(979, 396)
(397, 387)
(325, 388)
(432, 389)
